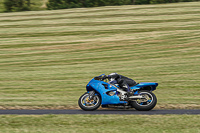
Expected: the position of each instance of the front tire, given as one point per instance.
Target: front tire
(89, 105)
(147, 104)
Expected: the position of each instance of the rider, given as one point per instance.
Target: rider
(124, 82)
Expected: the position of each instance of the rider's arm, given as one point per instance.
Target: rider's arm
(113, 78)
(113, 82)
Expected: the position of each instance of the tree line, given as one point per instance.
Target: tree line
(17, 5)
(25, 5)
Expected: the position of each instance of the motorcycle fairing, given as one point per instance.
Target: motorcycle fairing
(100, 88)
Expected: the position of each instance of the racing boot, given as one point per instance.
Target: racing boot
(129, 93)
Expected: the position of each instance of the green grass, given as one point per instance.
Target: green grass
(100, 123)
(47, 57)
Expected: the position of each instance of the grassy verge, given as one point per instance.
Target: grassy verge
(100, 123)
(47, 57)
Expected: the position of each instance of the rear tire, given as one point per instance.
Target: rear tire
(145, 106)
(89, 105)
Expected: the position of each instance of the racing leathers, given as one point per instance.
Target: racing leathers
(122, 81)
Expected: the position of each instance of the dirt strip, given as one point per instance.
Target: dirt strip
(167, 106)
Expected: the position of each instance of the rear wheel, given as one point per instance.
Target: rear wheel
(147, 103)
(89, 104)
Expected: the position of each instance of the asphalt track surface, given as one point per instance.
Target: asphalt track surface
(102, 112)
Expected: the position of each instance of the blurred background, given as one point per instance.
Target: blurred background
(48, 56)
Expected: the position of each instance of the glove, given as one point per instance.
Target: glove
(104, 77)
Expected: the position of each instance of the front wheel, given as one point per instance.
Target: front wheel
(145, 104)
(89, 104)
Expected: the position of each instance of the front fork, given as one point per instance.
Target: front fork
(91, 95)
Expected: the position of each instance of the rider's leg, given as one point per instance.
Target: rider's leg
(122, 84)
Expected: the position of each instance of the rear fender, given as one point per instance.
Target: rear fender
(147, 86)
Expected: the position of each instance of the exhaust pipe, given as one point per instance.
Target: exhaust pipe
(136, 97)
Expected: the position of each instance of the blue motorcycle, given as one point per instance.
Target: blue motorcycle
(101, 92)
